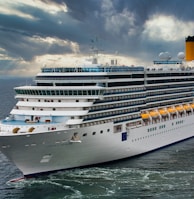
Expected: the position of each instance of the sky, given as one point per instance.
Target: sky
(38, 33)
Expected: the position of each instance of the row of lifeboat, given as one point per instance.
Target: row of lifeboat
(166, 111)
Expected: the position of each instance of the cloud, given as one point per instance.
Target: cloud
(166, 28)
(21, 36)
(20, 8)
(117, 23)
(139, 30)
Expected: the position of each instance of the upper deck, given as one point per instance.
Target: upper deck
(92, 69)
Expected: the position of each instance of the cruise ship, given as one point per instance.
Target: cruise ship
(79, 116)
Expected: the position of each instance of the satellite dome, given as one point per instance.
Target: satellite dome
(164, 56)
(181, 55)
(161, 55)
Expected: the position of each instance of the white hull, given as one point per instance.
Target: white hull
(95, 113)
(51, 151)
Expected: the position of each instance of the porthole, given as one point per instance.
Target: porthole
(85, 134)
(101, 131)
(94, 133)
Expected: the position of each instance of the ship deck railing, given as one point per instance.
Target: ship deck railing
(93, 69)
(23, 122)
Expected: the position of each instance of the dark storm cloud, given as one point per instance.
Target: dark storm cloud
(118, 25)
(16, 32)
(95, 15)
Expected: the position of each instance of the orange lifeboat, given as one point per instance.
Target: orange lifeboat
(179, 108)
(145, 116)
(154, 114)
(171, 110)
(163, 112)
(192, 105)
(187, 107)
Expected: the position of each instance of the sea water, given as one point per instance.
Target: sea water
(163, 174)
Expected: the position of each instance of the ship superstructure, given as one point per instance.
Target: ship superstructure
(78, 116)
